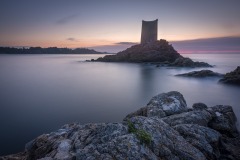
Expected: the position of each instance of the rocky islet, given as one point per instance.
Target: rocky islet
(201, 74)
(160, 52)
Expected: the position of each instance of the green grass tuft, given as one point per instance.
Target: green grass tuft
(142, 135)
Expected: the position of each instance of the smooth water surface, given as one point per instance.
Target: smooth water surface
(40, 93)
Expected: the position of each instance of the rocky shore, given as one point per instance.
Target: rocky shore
(232, 77)
(164, 129)
(159, 52)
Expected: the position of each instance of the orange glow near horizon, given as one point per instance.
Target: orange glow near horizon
(78, 43)
(105, 23)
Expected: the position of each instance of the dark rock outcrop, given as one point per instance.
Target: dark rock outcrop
(229, 148)
(201, 74)
(224, 120)
(199, 106)
(232, 77)
(160, 52)
(187, 62)
(164, 129)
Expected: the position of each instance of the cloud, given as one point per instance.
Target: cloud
(72, 39)
(66, 19)
(209, 44)
(126, 43)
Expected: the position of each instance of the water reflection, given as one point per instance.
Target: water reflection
(146, 81)
(40, 93)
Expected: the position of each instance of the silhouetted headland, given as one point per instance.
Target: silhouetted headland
(165, 129)
(50, 50)
(160, 52)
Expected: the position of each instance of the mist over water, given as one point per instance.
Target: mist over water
(40, 93)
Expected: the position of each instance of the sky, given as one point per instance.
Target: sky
(111, 25)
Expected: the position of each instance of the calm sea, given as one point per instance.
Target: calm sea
(40, 93)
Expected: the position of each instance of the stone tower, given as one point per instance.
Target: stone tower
(149, 31)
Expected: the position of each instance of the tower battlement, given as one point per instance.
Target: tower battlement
(149, 31)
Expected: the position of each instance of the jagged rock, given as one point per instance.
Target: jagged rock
(192, 117)
(224, 120)
(187, 62)
(162, 105)
(90, 141)
(201, 74)
(232, 77)
(229, 148)
(121, 147)
(18, 156)
(199, 106)
(164, 129)
(205, 139)
(166, 142)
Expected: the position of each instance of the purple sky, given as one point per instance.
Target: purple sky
(106, 24)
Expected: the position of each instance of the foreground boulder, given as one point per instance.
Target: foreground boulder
(232, 77)
(162, 105)
(201, 74)
(159, 52)
(164, 129)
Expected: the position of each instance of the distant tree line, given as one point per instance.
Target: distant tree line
(50, 50)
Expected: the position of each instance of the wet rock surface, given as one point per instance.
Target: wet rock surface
(158, 52)
(232, 77)
(164, 129)
(201, 74)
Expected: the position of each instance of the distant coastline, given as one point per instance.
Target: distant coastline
(50, 50)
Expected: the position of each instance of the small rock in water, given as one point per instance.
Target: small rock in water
(200, 74)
